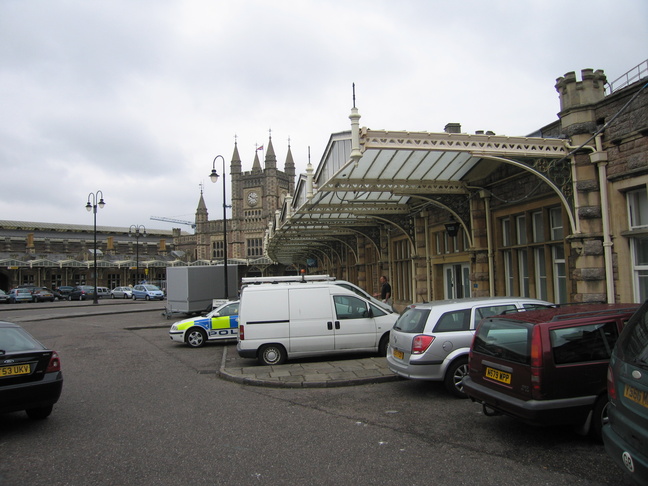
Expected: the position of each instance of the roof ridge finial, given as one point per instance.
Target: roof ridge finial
(354, 95)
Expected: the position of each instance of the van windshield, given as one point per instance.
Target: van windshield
(504, 339)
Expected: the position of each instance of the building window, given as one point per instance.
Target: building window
(114, 280)
(556, 221)
(638, 208)
(538, 227)
(520, 230)
(401, 286)
(508, 272)
(254, 247)
(523, 273)
(559, 274)
(542, 291)
(217, 250)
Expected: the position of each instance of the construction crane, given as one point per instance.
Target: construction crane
(171, 220)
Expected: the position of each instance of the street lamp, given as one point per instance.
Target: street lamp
(214, 177)
(93, 207)
(134, 230)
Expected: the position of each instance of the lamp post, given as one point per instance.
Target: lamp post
(93, 207)
(137, 231)
(214, 177)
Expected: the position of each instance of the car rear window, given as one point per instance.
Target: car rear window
(633, 345)
(504, 339)
(593, 342)
(412, 320)
(14, 340)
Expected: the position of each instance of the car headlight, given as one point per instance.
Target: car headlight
(174, 327)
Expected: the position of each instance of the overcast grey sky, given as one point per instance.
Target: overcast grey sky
(136, 97)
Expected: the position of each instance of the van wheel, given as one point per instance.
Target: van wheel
(195, 337)
(599, 418)
(272, 354)
(382, 346)
(454, 376)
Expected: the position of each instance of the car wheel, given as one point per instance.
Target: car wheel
(195, 337)
(69, 297)
(599, 418)
(125, 296)
(112, 296)
(39, 413)
(455, 374)
(81, 297)
(148, 297)
(272, 354)
(382, 346)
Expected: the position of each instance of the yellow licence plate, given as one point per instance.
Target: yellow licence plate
(497, 375)
(15, 370)
(638, 396)
(398, 354)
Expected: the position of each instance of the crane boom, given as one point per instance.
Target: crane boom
(171, 220)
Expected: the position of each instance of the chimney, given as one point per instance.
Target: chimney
(452, 128)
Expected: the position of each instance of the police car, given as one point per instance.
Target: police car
(220, 323)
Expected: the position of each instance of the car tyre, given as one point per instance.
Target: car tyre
(382, 346)
(39, 413)
(272, 354)
(148, 297)
(599, 417)
(195, 337)
(69, 298)
(454, 376)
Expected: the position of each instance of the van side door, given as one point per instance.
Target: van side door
(311, 320)
(355, 327)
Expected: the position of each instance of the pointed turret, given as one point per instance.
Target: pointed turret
(235, 165)
(289, 169)
(256, 165)
(270, 158)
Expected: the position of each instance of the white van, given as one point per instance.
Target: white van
(318, 278)
(288, 320)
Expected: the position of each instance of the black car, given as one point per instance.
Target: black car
(81, 292)
(30, 374)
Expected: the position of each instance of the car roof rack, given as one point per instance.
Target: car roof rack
(289, 278)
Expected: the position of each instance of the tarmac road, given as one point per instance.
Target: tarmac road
(139, 409)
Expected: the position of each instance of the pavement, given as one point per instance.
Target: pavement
(341, 371)
(336, 371)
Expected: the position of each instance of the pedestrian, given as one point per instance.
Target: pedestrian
(385, 290)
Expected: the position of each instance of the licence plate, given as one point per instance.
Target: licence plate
(398, 354)
(497, 375)
(15, 370)
(637, 396)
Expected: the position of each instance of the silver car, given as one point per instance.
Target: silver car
(431, 341)
(121, 293)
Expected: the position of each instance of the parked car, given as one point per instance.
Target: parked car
(57, 295)
(121, 293)
(147, 292)
(283, 321)
(64, 290)
(626, 434)
(4, 297)
(18, 295)
(30, 374)
(547, 367)
(221, 323)
(103, 292)
(431, 341)
(41, 294)
(81, 292)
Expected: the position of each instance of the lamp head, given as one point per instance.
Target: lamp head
(214, 175)
(89, 206)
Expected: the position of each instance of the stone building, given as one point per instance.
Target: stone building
(560, 214)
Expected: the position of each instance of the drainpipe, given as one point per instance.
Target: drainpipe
(489, 239)
(600, 158)
(428, 282)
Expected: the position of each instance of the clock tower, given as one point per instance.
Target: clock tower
(255, 196)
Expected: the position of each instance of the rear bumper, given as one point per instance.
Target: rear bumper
(25, 396)
(537, 412)
(632, 461)
(246, 353)
(415, 371)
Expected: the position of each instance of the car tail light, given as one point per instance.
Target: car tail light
(611, 388)
(54, 363)
(536, 363)
(241, 332)
(421, 343)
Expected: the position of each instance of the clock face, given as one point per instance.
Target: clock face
(253, 199)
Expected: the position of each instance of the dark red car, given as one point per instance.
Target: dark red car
(30, 374)
(547, 367)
